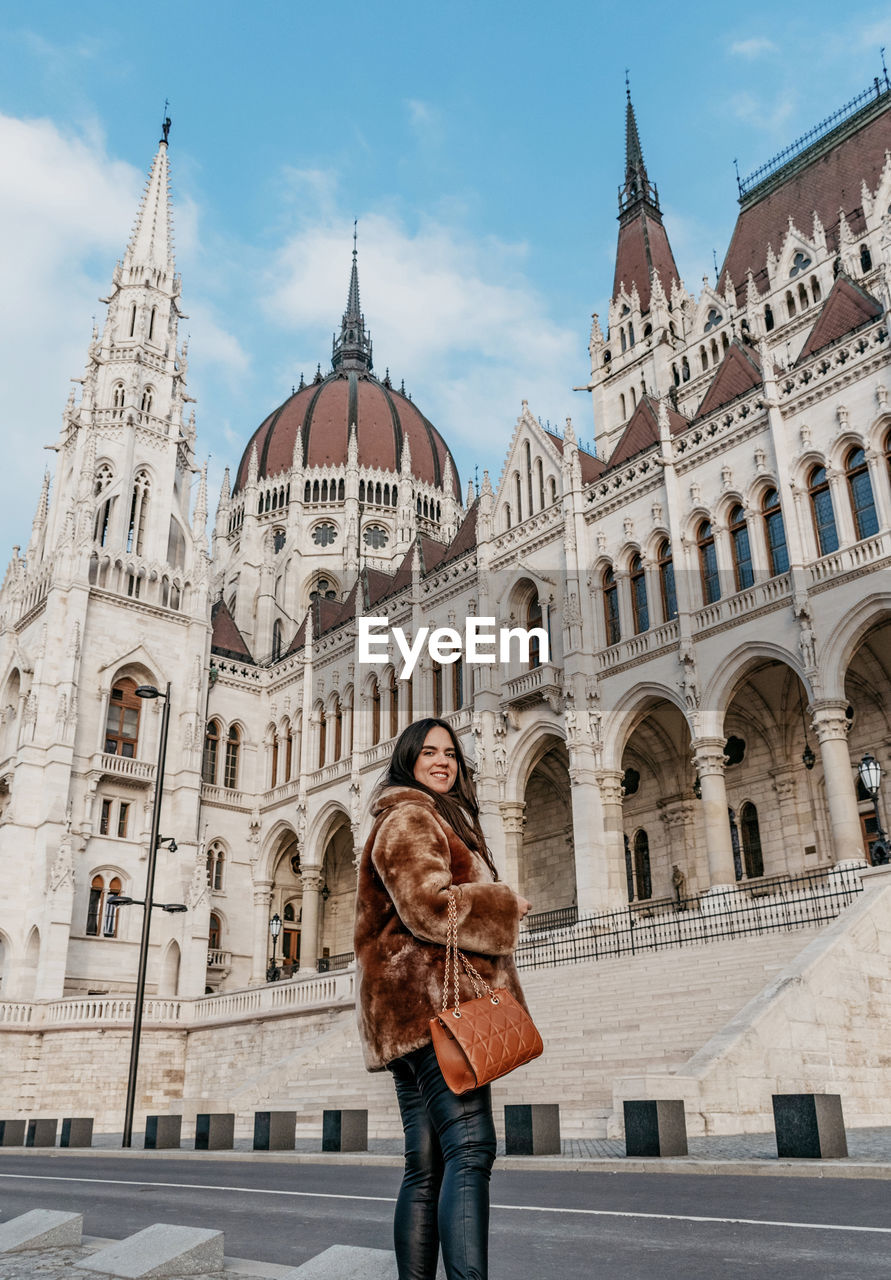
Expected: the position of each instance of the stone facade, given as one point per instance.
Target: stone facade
(714, 587)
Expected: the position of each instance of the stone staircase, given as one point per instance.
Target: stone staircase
(600, 1020)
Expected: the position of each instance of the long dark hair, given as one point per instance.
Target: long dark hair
(459, 807)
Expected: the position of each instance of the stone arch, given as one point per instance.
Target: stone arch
(732, 671)
(839, 449)
(168, 977)
(867, 687)
(281, 834)
(31, 959)
(338, 893)
(846, 637)
(631, 708)
(526, 750)
(626, 554)
(546, 862)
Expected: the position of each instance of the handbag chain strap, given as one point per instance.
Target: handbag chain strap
(451, 966)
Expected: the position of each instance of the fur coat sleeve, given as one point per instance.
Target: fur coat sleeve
(411, 862)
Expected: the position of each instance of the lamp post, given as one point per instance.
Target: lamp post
(870, 772)
(146, 691)
(273, 973)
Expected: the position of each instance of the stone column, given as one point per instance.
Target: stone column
(831, 727)
(311, 879)
(881, 487)
(841, 507)
(513, 821)
(609, 783)
(599, 885)
(626, 613)
(677, 818)
(262, 939)
(708, 757)
(784, 785)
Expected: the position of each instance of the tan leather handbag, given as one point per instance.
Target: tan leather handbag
(481, 1039)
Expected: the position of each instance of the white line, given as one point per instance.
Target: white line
(523, 1208)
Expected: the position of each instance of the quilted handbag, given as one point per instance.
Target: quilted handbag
(481, 1039)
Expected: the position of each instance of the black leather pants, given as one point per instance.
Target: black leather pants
(449, 1153)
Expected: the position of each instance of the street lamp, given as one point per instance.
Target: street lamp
(273, 973)
(155, 841)
(870, 772)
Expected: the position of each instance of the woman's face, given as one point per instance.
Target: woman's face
(436, 766)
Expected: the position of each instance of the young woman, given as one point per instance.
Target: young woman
(427, 843)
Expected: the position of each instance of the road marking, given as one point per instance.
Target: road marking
(521, 1208)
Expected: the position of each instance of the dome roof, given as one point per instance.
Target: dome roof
(324, 412)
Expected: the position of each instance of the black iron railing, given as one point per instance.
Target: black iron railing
(328, 964)
(558, 919)
(781, 903)
(877, 90)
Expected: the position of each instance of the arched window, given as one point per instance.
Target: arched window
(133, 320)
(803, 299)
(816, 292)
(534, 621)
(233, 743)
(639, 604)
(323, 736)
(751, 840)
(611, 608)
(117, 398)
(102, 916)
(860, 487)
(273, 759)
(790, 303)
(622, 405)
(216, 862)
(633, 398)
(642, 865)
(375, 713)
(768, 317)
(151, 329)
(776, 533)
(458, 685)
(708, 563)
(865, 258)
(394, 704)
(138, 513)
(507, 520)
(539, 475)
(742, 552)
(518, 494)
(685, 370)
(147, 400)
(821, 506)
(703, 358)
(338, 731)
(122, 720)
(276, 640)
(629, 868)
(211, 749)
(214, 932)
(437, 688)
(666, 582)
(527, 467)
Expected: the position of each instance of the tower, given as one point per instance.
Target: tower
(111, 594)
(634, 357)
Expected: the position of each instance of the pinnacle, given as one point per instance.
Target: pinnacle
(151, 244)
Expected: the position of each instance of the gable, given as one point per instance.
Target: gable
(846, 309)
(226, 639)
(643, 431)
(738, 373)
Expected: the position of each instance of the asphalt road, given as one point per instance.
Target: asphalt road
(623, 1226)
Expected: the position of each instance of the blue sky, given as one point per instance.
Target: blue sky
(480, 147)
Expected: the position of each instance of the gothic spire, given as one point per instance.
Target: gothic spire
(151, 244)
(643, 251)
(352, 349)
(637, 185)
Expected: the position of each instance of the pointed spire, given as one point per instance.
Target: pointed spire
(637, 185)
(151, 244)
(297, 456)
(225, 492)
(352, 349)
(253, 469)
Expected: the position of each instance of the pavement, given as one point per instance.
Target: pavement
(582, 1214)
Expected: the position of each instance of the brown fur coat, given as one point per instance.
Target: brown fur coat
(411, 860)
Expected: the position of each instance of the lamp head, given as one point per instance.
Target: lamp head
(118, 900)
(275, 925)
(173, 908)
(148, 691)
(870, 773)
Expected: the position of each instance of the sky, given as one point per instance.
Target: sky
(480, 147)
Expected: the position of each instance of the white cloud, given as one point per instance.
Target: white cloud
(454, 315)
(754, 47)
(764, 113)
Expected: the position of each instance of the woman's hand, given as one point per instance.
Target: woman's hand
(523, 905)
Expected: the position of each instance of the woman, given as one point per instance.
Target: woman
(427, 843)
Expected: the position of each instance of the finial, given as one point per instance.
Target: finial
(165, 127)
(715, 261)
(355, 236)
(627, 85)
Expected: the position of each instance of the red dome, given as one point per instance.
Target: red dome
(324, 411)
